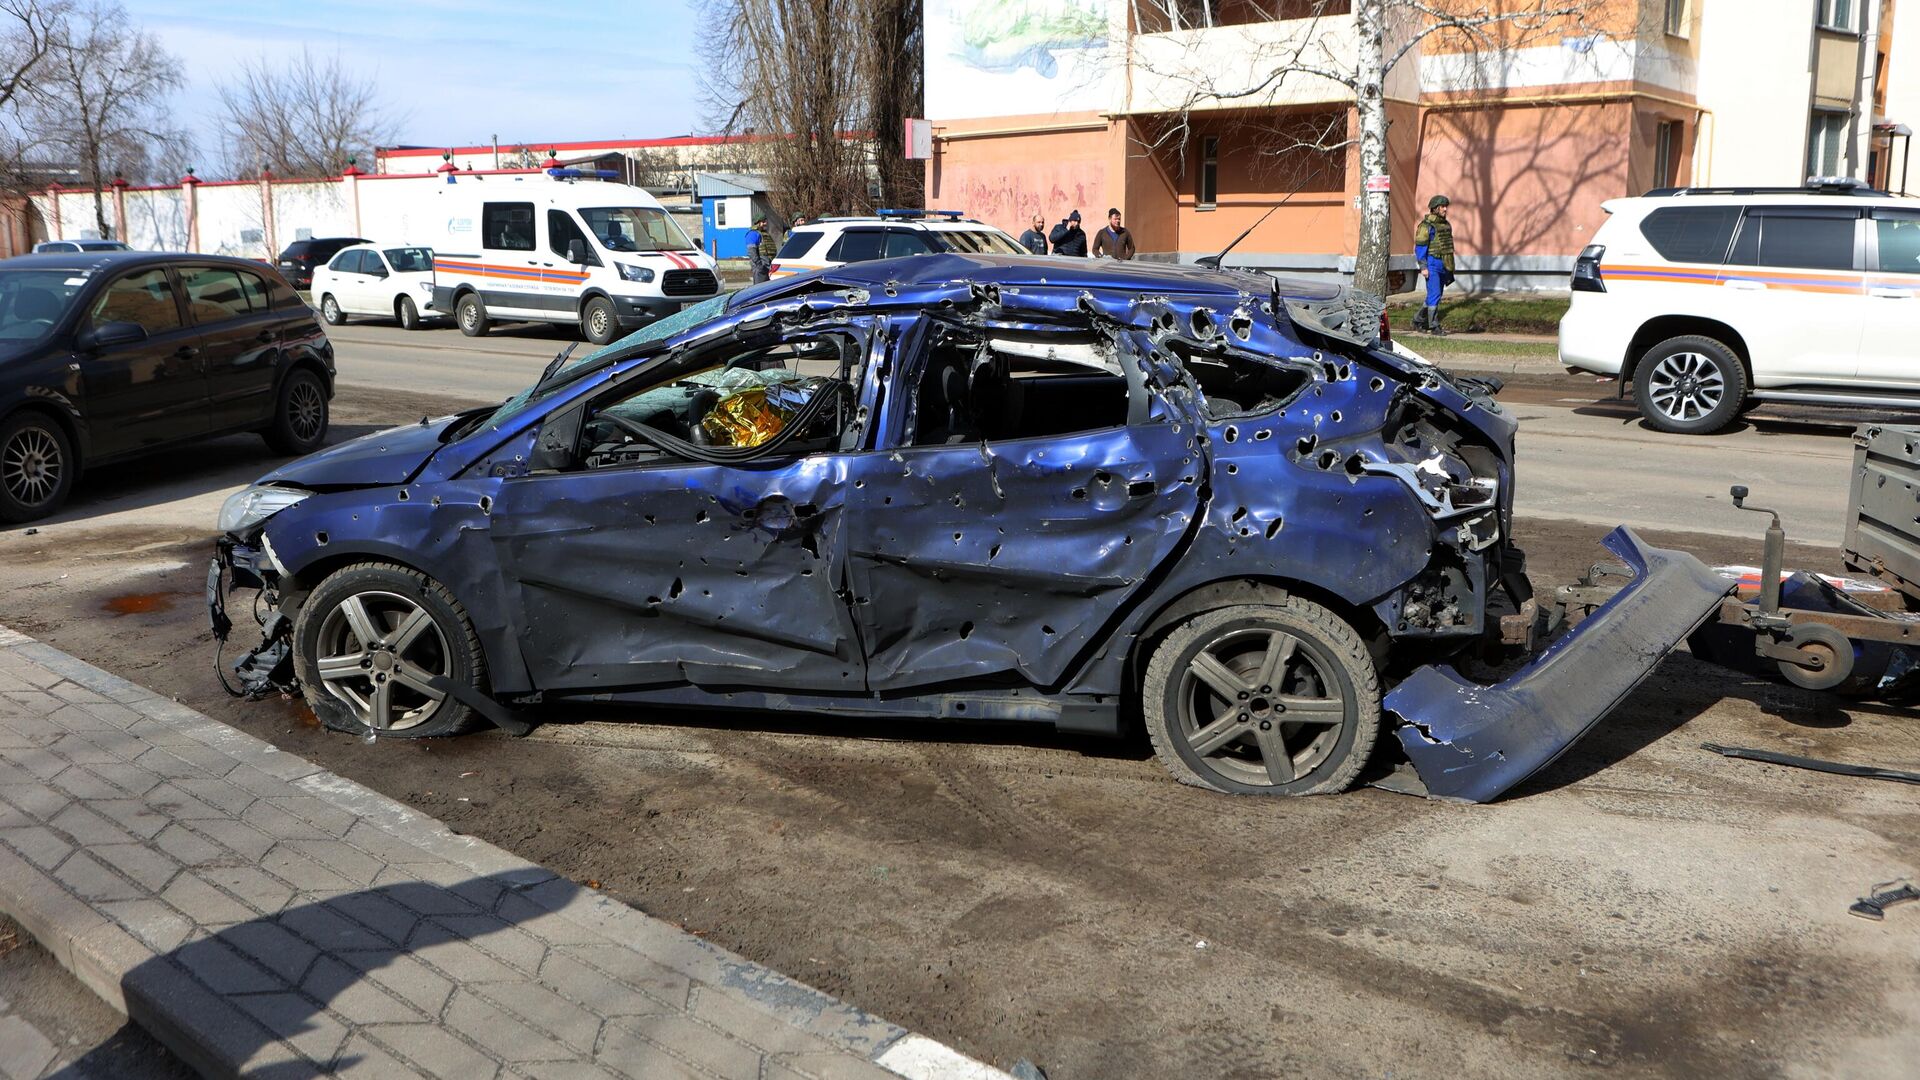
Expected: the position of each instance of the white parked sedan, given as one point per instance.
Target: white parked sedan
(366, 279)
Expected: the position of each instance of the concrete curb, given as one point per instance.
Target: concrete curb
(88, 907)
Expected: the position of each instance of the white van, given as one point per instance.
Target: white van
(564, 249)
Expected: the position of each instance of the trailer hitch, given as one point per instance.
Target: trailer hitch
(1811, 656)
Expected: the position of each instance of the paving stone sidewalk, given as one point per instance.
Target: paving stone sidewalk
(260, 915)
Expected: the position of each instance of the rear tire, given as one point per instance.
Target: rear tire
(378, 600)
(408, 315)
(471, 314)
(37, 466)
(300, 415)
(1263, 699)
(330, 311)
(598, 323)
(1690, 385)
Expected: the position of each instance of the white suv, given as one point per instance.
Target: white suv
(889, 234)
(1706, 300)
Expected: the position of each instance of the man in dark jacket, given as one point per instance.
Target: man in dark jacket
(1433, 252)
(1114, 240)
(1068, 239)
(1034, 239)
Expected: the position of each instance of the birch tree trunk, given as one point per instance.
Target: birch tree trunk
(1370, 109)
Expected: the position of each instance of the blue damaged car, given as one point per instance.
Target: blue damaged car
(978, 487)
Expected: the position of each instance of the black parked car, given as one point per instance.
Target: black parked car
(105, 355)
(301, 256)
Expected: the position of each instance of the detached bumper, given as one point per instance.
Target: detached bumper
(1472, 743)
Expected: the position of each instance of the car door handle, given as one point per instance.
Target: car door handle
(1891, 294)
(265, 337)
(186, 352)
(1746, 286)
(1142, 489)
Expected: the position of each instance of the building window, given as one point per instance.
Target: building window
(1826, 143)
(1677, 18)
(1209, 170)
(1840, 14)
(1666, 154)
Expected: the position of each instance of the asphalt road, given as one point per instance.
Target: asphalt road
(1583, 456)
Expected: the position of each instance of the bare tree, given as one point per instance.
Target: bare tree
(892, 84)
(1385, 32)
(98, 97)
(28, 32)
(825, 86)
(301, 117)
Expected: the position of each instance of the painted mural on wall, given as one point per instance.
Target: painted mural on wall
(1013, 57)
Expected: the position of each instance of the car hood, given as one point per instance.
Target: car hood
(392, 456)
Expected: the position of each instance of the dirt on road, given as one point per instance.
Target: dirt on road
(1645, 905)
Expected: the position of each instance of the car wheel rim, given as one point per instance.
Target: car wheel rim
(1686, 386)
(377, 654)
(306, 411)
(469, 316)
(332, 310)
(597, 322)
(1261, 706)
(31, 466)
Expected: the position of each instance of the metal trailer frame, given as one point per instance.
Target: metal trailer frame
(1812, 648)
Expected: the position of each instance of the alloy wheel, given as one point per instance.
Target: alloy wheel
(30, 466)
(1261, 706)
(377, 653)
(1686, 386)
(306, 410)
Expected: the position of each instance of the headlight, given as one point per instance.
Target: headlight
(635, 273)
(245, 509)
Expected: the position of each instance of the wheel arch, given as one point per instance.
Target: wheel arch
(76, 438)
(507, 671)
(1656, 330)
(594, 292)
(1230, 592)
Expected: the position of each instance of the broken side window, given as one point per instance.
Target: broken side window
(734, 403)
(1005, 385)
(1236, 385)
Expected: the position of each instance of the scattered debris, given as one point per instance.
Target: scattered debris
(1838, 768)
(1027, 1070)
(1874, 905)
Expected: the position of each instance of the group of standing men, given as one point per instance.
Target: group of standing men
(1432, 249)
(1067, 238)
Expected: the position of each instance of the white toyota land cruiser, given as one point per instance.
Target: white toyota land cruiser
(1706, 300)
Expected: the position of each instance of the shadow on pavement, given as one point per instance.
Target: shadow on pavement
(179, 473)
(284, 971)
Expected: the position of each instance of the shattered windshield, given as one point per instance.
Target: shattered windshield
(575, 366)
(32, 301)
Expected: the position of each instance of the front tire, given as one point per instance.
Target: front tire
(1690, 385)
(300, 415)
(471, 314)
(408, 315)
(367, 641)
(330, 311)
(1263, 699)
(37, 467)
(598, 323)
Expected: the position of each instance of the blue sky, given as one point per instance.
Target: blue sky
(456, 71)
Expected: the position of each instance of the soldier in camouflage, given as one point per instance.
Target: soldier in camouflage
(1433, 250)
